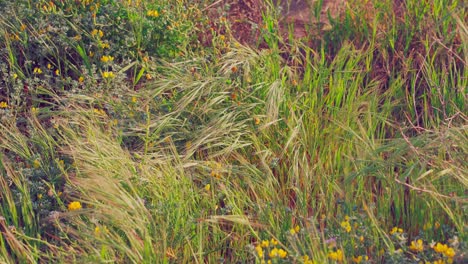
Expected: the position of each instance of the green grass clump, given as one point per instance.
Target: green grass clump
(123, 139)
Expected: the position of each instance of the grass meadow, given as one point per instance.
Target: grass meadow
(125, 139)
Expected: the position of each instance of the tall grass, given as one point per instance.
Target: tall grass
(218, 153)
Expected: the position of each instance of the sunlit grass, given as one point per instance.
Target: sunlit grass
(348, 147)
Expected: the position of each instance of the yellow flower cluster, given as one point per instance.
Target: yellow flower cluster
(346, 225)
(359, 259)
(444, 249)
(336, 255)
(3, 104)
(396, 230)
(295, 230)
(278, 253)
(417, 246)
(152, 13)
(107, 75)
(274, 252)
(37, 70)
(107, 58)
(97, 32)
(74, 206)
(216, 170)
(307, 260)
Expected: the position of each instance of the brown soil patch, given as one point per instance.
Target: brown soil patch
(245, 17)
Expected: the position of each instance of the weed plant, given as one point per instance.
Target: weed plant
(123, 139)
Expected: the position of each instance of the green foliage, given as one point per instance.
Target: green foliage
(123, 140)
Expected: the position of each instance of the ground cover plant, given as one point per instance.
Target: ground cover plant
(126, 138)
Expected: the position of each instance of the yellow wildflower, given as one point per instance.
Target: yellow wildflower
(346, 226)
(97, 32)
(15, 75)
(361, 239)
(274, 242)
(3, 104)
(104, 45)
(256, 120)
(81, 79)
(107, 58)
(207, 187)
(439, 261)
(134, 99)
(74, 206)
(336, 255)
(449, 252)
(36, 163)
(436, 225)
(49, 66)
(440, 248)
(417, 246)
(259, 251)
(39, 196)
(295, 230)
(152, 13)
(57, 72)
(265, 243)
(396, 230)
(273, 253)
(148, 76)
(282, 253)
(357, 259)
(37, 70)
(108, 75)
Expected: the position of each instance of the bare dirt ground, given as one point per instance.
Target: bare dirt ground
(245, 16)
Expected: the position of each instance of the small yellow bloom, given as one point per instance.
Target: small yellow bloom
(39, 196)
(336, 255)
(259, 251)
(417, 246)
(282, 253)
(97, 32)
(134, 99)
(15, 76)
(439, 261)
(265, 243)
(49, 66)
(396, 230)
(104, 45)
(436, 225)
(36, 163)
(148, 76)
(3, 104)
(440, 248)
(152, 13)
(37, 70)
(357, 259)
(361, 239)
(256, 120)
(295, 230)
(449, 252)
(81, 79)
(74, 206)
(207, 187)
(274, 242)
(346, 226)
(107, 75)
(107, 58)
(57, 72)
(273, 253)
